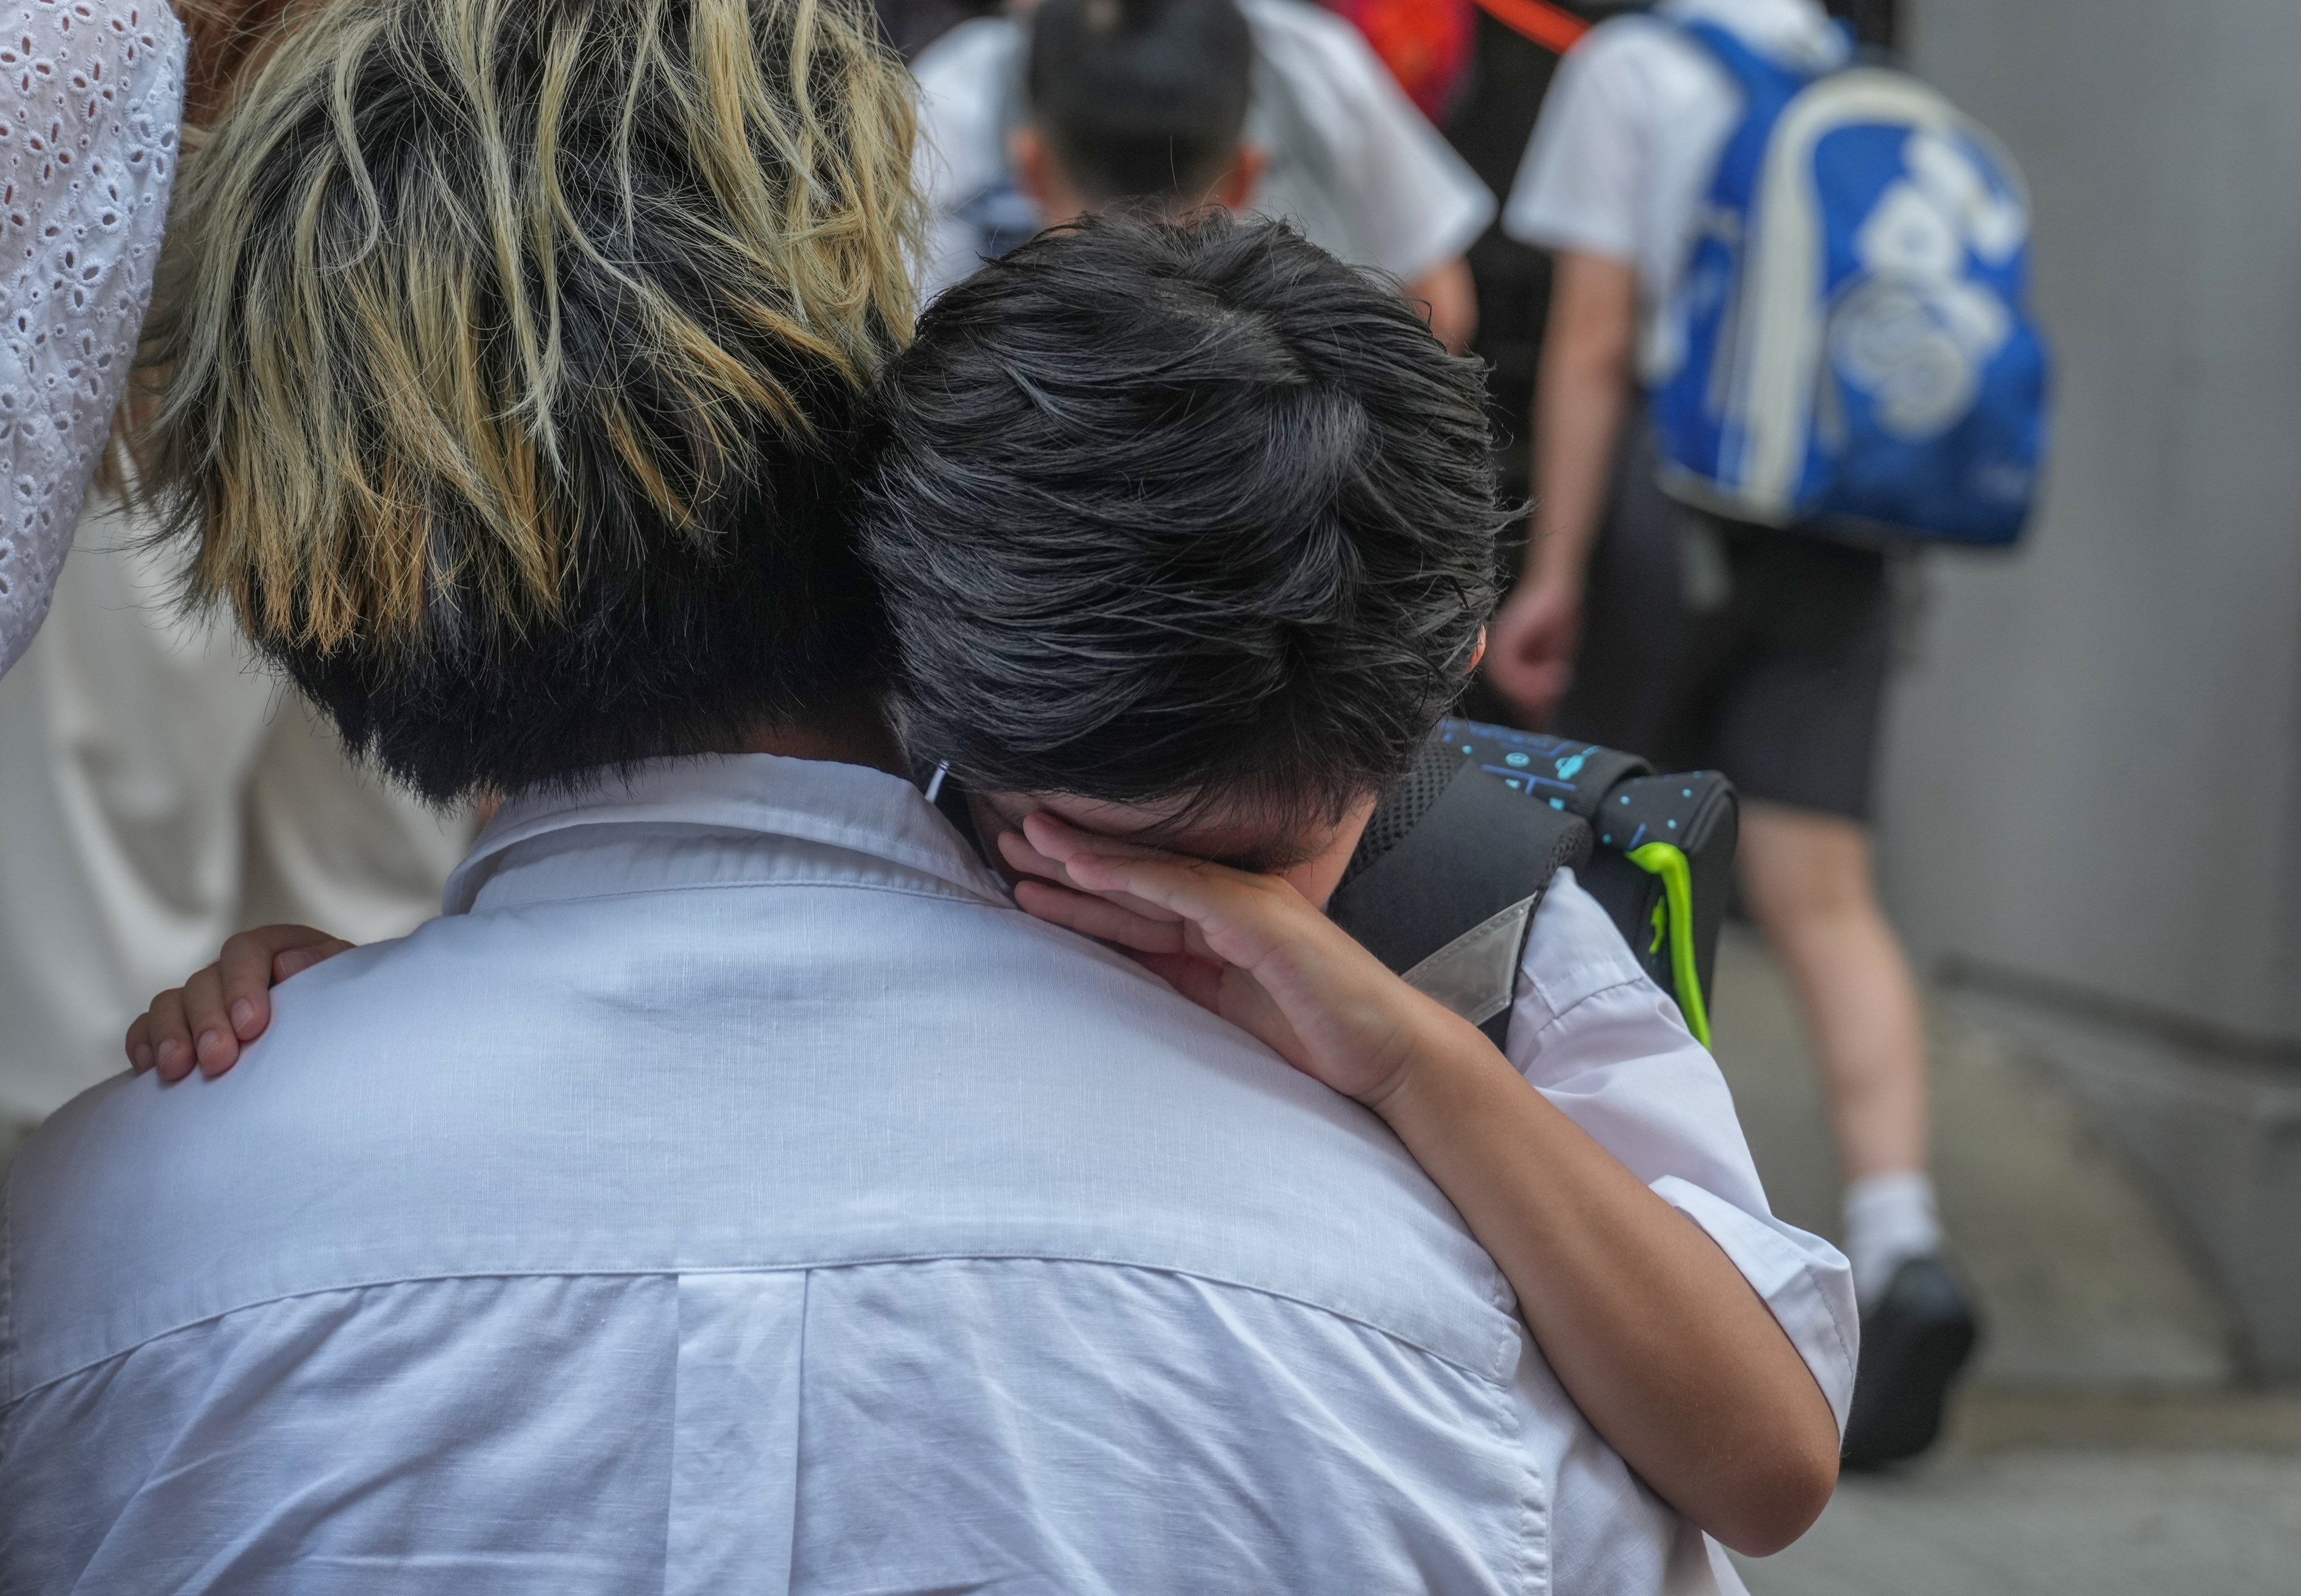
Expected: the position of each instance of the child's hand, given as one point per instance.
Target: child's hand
(226, 1004)
(1249, 947)
(1649, 1326)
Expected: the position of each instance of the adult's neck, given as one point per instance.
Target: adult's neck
(856, 735)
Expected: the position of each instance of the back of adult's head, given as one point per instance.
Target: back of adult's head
(1141, 99)
(1181, 512)
(515, 350)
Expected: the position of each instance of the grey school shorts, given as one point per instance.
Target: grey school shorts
(1716, 645)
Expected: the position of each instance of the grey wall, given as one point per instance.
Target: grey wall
(2093, 776)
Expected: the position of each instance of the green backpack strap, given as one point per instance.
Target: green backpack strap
(1663, 869)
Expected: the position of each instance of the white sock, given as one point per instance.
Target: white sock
(1889, 1220)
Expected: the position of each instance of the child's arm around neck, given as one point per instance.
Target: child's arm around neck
(1657, 1336)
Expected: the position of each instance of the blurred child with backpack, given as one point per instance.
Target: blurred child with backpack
(1811, 407)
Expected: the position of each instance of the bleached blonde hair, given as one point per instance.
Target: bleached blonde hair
(472, 307)
(333, 387)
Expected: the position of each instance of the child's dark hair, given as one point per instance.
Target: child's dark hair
(1141, 99)
(1181, 511)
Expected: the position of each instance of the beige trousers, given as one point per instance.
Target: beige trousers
(158, 792)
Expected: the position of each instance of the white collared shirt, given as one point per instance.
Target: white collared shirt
(733, 1192)
(1351, 161)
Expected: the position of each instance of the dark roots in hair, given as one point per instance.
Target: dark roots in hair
(516, 355)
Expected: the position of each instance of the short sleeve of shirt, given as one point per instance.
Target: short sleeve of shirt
(1418, 205)
(1585, 174)
(1605, 1045)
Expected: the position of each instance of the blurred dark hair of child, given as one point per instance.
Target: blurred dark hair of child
(1137, 105)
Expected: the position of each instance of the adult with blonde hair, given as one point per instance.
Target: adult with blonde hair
(732, 1190)
(506, 337)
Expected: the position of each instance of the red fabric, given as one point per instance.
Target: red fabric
(1427, 44)
(1553, 26)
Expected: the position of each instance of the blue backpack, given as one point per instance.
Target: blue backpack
(1850, 348)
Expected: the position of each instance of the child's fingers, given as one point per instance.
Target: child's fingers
(1058, 839)
(204, 1020)
(1099, 918)
(1279, 965)
(1016, 848)
(171, 1038)
(213, 1044)
(1113, 859)
(1165, 948)
(251, 961)
(1018, 851)
(139, 1043)
(295, 961)
(1227, 908)
(1295, 956)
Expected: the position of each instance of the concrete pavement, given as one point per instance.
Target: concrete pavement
(2105, 1445)
(2055, 1522)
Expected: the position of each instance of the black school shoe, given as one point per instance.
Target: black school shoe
(1913, 1342)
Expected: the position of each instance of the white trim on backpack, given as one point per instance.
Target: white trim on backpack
(1777, 338)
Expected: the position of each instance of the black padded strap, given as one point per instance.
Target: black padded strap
(1566, 773)
(1476, 851)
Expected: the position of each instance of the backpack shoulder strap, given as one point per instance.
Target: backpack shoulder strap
(1444, 885)
(1456, 861)
(1768, 86)
(1563, 772)
(1662, 870)
(1750, 67)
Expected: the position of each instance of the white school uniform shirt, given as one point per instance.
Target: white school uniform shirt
(1631, 131)
(1353, 162)
(733, 1193)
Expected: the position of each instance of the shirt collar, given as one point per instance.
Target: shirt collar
(843, 806)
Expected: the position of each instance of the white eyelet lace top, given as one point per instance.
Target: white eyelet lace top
(91, 92)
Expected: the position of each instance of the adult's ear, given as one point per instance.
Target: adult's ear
(1478, 655)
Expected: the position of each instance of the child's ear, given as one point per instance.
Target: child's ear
(1477, 652)
(1239, 178)
(1040, 174)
